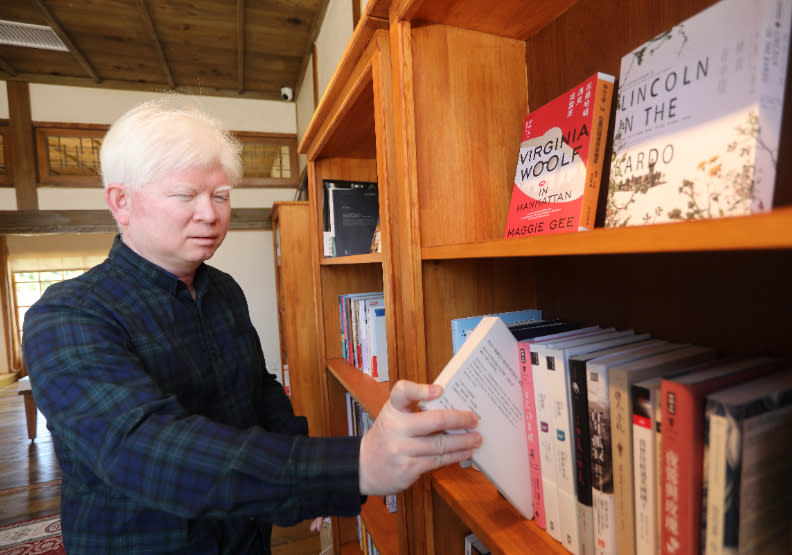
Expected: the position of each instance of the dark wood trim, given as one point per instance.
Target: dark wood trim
(144, 12)
(7, 67)
(315, 69)
(15, 222)
(22, 146)
(45, 177)
(73, 50)
(355, 13)
(240, 36)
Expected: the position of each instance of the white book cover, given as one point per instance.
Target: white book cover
(544, 421)
(484, 377)
(698, 117)
(557, 358)
(602, 497)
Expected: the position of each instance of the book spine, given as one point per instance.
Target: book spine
(582, 448)
(558, 383)
(644, 460)
(542, 402)
(600, 118)
(716, 482)
(621, 432)
(602, 500)
(681, 514)
(529, 410)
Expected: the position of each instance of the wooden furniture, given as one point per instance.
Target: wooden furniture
(429, 99)
(31, 412)
(296, 311)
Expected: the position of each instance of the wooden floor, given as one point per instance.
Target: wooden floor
(30, 478)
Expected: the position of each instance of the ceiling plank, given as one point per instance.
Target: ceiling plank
(78, 55)
(144, 12)
(15, 222)
(240, 32)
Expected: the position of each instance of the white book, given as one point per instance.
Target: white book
(557, 358)
(602, 498)
(582, 440)
(378, 342)
(620, 380)
(484, 377)
(698, 122)
(544, 422)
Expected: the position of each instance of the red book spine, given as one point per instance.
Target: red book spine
(530, 430)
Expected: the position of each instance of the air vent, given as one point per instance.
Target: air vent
(28, 35)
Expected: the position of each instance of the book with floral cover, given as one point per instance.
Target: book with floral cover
(698, 117)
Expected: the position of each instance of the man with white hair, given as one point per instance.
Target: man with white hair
(171, 435)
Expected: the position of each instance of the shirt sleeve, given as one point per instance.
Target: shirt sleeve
(117, 430)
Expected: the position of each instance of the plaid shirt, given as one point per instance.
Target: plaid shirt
(171, 435)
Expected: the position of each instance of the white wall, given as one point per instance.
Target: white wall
(305, 106)
(332, 40)
(246, 255)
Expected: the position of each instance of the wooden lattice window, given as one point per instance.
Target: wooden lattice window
(268, 159)
(69, 155)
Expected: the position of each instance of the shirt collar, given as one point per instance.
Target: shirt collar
(151, 274)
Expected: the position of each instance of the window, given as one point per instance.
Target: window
(28, 287)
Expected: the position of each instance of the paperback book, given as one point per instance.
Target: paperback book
(698, 117)
(484, 377)
(560, 165)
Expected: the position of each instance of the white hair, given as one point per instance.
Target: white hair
(158, 137)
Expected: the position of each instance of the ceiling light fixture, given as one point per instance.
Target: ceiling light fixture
(28, 35)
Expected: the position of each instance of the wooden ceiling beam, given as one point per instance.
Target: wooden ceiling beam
(75, 52)
(146, 15)
(240, 26)
(15, 222)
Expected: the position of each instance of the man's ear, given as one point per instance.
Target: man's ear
(117, 200)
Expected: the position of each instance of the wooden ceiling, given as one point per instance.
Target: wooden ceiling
(236, 48)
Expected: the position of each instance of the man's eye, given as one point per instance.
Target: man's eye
(222, 197)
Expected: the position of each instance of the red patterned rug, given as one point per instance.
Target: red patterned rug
(40, 536)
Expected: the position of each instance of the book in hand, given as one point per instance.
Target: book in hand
(683, 401)
(698, 117)
(749, 471)
(560, 165)
(484, 377)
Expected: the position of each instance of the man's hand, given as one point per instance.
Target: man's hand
(402, 444)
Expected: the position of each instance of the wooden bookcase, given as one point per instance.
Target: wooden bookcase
(429, 100)
(294, 274)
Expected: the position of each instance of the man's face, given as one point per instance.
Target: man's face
(179, 221)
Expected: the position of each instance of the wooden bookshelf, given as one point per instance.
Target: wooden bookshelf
(429, 101)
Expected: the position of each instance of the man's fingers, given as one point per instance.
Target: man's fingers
(431, 421)
(405, 393)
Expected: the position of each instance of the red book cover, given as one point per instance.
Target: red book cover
(559, 168)
(683, 401)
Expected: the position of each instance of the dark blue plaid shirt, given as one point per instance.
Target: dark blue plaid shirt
(171, 435)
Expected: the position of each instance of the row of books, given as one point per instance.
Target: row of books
(364, 340)
(578, 410)
(694, 133)
(366, 541)
(351, 217)
(358, 423)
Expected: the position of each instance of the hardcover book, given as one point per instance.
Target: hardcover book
(351, 213)
(620, 379)
(599, 414)
(484, 377)
(749, 474)
(682, 470)
(698, 117)
(560, 165)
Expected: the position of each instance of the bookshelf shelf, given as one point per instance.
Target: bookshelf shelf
(371, 258)
(368, 392)
(381, 524)
(492, 519)
(758, 232)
